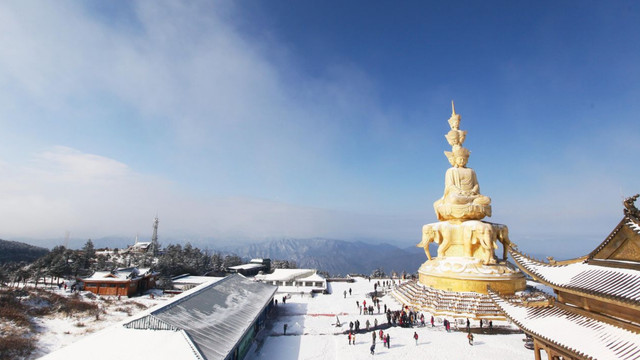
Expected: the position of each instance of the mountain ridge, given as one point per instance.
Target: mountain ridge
(335, 256)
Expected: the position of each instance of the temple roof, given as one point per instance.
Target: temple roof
(575, 333)
(612, 241)
(588, 279)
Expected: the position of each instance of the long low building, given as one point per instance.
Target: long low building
(295, 280)
(213, 321)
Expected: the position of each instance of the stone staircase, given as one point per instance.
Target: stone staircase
(448, 303)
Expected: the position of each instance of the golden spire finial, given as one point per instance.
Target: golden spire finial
(453, 108)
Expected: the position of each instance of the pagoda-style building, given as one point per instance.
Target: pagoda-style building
(597, 311)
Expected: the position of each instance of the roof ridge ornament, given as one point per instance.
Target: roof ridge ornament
(629, 206)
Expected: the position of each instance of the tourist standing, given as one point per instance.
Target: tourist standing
(285, 329)
(415, 336)
(373, 348)
(373, 337)
(345, 294)
(388, 341)
(353, 339)
(470, 337)
(375, 323)
(368, 324)
(349, 291)
(468, 325)
(349, 338)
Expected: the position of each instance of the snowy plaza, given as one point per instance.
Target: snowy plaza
(312, 332)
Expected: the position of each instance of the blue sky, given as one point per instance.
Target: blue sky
(242, 121)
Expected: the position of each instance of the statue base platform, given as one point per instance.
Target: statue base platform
(469, 274)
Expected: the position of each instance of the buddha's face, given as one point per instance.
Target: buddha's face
(461, 161)
(454, 121)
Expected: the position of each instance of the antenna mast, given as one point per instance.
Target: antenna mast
(154, 238)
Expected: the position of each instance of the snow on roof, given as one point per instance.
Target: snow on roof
(627, 221)
(633, 225)
(123, 274)
(286, 274)
(246, 266)
(118, 342)
(142, 244)
(617, 283)
(579, 334)
(312, 277)
(215, 316)
(196, 279)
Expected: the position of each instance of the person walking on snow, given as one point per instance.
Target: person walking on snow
(285, 329)
(349, 291)
(432, 325)
(470, 337)
(353, 339)
(345, 294)
(373, 349)
(373, 337)
(415, 336)
(349, 338)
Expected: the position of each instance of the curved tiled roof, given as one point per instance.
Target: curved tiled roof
(629, 221)
(578, 334)
(601, 281)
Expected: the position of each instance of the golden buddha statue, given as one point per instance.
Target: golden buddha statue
(462, 199)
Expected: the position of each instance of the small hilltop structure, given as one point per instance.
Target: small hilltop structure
(455, 282)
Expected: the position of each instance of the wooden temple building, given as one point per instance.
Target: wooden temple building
(120, 282)
(596, 313)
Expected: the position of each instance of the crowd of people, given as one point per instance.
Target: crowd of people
(404, 317)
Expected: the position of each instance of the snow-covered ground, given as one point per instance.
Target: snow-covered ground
(58, 330)
(312, 332)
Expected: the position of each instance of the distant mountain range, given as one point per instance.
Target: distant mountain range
(13, 251)
(337, 256)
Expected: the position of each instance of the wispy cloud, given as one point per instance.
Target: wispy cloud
(169, 107)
